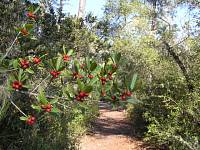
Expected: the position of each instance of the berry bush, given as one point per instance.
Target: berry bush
(51, 90)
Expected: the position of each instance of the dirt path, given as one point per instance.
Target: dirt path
(111, 132)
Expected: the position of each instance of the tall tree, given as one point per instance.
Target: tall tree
(81, 10)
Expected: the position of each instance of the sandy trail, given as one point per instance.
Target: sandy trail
(111, 131)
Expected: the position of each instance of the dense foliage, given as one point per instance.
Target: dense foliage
(167, 65)
(51, 78)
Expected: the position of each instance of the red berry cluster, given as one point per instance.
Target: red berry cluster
(128, 93)
(90, 76)
(24, 64)
(24, 32)
(31, 15)
(47, 107)
(110, 75)
(76, 75)
(17, 85)
(81, 96)
(103, 80)
(55, 73)
(31, 120)
(36, 60)
(125, 94)
(66, 57)
(82, 66)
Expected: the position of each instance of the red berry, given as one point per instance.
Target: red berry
(110, 77)
(103, 79)
(78, 98)
(128, 93)
(17, 85)
(48, 106)
(24, 32)
(31, 15)
(66, 58)
(113, 97)
(123, 97)
(48, 110)
(31, 120)
(80, 76)
(58, 72)
(55, 73)
(90, 76)
(110, 73)
(86, 94)
(36, 60)
(82, 94)
(75, 75)
(24, 63)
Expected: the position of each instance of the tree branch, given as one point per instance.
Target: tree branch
(180, 64)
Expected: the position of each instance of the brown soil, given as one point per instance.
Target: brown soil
(111, 131)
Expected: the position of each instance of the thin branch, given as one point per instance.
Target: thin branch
(39, 84)
(17, 107)
(10, 48)
(183, 40)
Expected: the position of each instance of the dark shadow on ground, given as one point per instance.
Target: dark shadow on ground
(109, 125)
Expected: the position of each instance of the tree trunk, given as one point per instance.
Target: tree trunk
(60, 11)
(81, 10)
(154, 17)
(181, 65)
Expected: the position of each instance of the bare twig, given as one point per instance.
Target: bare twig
(17, 107)
(39, 84)
(10, 48)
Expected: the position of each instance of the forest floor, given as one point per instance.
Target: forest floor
(111, 131)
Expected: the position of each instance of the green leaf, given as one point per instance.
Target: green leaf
(64, 49)
(23, 118)
(36, 10)
(36, 107)
(88, 89)
(67, 73)
(53, 101)
(20, 74)
(30, 71)
(70, 52)
(28, 26)
(93, 66)
(58, 63)
(93, 81)
(117, 57)
(80, 85)
(76, 66)
(15, 63)
(87, 62)
(55, 110)
(133, 82)
(70, 90)
(97, 70)
(41, 97)
(133, 101)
